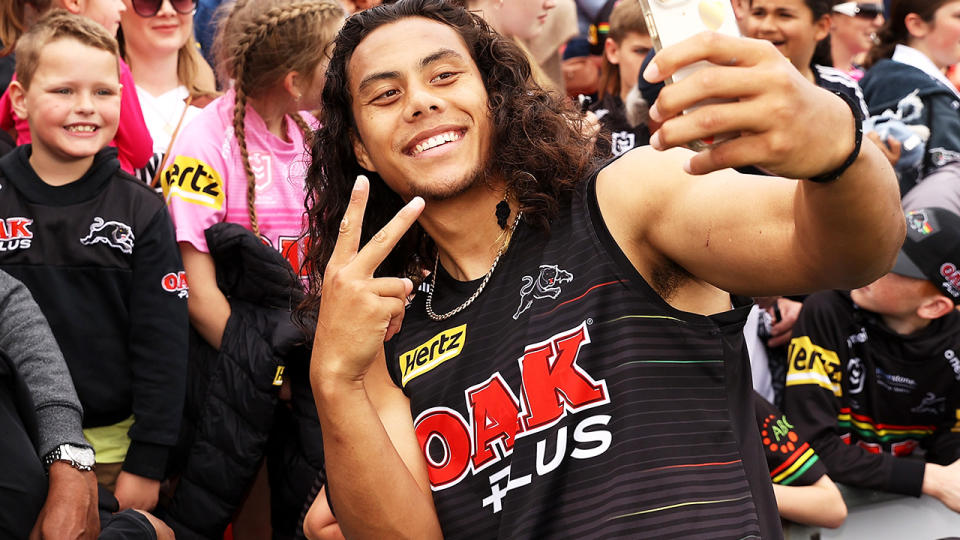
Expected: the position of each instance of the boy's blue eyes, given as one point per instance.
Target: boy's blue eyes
(100, 92)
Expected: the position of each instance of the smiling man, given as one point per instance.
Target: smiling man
(572, 366)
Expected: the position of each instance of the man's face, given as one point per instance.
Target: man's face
(73, 102)
(421, 109)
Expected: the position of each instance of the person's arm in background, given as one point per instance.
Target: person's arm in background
(209, 308)
(71, 506)
(134, 143)
(942, 472)
(157, 344)
(819, 504)
(805, 494)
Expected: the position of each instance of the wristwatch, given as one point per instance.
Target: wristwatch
(78, 457)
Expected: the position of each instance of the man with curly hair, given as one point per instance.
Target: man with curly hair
(570, 365)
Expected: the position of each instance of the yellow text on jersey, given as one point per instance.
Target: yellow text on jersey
(193, 181)
(440, 348)
(812, 364)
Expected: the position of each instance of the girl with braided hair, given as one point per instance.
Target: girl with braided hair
(242, 159)
(241, 163)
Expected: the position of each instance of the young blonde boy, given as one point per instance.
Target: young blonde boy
(96, 249)
(132, 139)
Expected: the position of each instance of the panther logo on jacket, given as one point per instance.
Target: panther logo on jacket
(112, 233)
(546, 285)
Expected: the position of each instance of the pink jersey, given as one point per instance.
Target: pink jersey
(133, 142)
(204, 182)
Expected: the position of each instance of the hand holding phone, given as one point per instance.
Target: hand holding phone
(671, 21)
(784, 123)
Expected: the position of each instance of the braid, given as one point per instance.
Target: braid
(261, 26)
(256, 51)
(304, 128)
(239, 117)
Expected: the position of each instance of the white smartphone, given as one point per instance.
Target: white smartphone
(672, 21)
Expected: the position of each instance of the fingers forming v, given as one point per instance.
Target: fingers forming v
(348, 240)
(376, 250)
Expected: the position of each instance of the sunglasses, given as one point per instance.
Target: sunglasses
(864, 11)
(149, 8)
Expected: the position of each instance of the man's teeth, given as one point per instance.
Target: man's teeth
(436, 141)
(82, 128)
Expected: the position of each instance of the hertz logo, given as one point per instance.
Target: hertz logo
(437, 350)
(193, 181)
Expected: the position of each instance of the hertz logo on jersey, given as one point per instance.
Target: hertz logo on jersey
(193, 181)
(811, 364)
(440, 348)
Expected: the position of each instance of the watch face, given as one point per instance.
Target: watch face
(80, 455)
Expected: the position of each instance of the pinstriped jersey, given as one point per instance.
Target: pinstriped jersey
(570, 400)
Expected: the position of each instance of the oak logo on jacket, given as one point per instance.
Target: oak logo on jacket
(15, 233)
(176, 283)
(112, 233)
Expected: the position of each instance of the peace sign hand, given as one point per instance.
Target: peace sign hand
(358, 312)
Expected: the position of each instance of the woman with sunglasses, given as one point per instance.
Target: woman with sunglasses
(172, 78)
(853, 32)
(920, 39)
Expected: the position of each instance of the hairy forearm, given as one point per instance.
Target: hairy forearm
(849, 230)
(374, 494)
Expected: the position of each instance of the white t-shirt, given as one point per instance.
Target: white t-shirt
(161, 114)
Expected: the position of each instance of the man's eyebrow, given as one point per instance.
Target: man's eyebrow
(441, 54)
(371, 79)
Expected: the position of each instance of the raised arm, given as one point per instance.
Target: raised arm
(753, 235)
(375, 471)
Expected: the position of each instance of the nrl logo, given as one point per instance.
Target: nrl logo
(546, 285)
(112, 233)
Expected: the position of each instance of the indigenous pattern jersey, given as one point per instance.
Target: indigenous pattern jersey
(569, 400)
(790, 458)
(204, 181)
(866, 396)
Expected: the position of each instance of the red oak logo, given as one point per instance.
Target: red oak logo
(15, 234)
(176, 283)
(552, 386)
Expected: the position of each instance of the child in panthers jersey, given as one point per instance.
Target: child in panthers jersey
(874, 375)
(96, 249)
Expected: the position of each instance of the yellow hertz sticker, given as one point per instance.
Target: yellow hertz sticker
(193, 181)
(812, 364)
(440, 348)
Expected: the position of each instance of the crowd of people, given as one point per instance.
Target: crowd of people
(447, 268)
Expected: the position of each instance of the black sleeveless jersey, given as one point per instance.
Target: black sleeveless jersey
(569, 400)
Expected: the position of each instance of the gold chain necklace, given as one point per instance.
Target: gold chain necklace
(433, 279)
